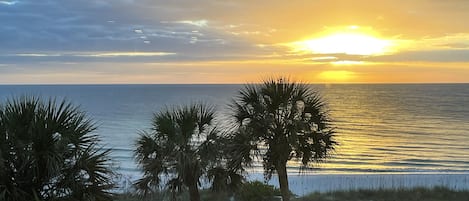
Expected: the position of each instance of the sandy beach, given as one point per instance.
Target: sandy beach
(306, 184)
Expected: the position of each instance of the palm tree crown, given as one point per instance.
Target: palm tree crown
(288, 119)
(47, 152)
(182, 146)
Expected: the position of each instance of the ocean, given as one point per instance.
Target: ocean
(382, 128)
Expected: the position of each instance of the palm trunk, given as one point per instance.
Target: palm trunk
(283, 181)
(194, 192)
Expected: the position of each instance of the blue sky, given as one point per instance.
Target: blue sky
(208, 41)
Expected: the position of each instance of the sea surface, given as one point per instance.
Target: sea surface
(381, 128)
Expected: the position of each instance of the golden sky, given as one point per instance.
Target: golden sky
(209, 41)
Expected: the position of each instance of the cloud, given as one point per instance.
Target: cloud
(8, 3)
(35, 55)
(92, 54)
(456, 45)
(198, 23)
(112, 26)
(324, 58)
(126, 54)
(70, 36)
(85, 57)
(451, 55)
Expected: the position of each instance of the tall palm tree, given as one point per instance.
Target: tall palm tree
(182, 147)
(48, 152)
(287, 119)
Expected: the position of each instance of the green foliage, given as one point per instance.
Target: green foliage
(415, 194)
(289, 119)
(256, 191)
(209, 195)
(205, 195)
(183, 146)
(47, 152)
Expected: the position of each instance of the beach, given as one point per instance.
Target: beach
(302, 185)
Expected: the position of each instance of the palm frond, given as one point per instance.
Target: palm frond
(288, 118)
(181, 146)
(43, 143)
(223, 180)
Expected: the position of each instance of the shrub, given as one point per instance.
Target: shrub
(256, 191)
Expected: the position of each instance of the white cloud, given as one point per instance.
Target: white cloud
(199, 23)
(324, 58)
(94, 54)
(36, 55)
(8, 3)
(125, 54)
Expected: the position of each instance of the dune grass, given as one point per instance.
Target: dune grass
(205, 195)
(414, 194)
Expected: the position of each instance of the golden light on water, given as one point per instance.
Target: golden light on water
(353, 40)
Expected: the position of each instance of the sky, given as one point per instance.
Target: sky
(233, 41)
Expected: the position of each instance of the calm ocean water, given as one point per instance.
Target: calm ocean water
(385, 128)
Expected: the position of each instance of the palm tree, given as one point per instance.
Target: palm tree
(279, 120)
(47, 152)
(182, 147)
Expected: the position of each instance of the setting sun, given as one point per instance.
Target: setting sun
(353, 40)
(347, 43)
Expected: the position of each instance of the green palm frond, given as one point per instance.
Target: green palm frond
(288, 118)
(183, 145)
(45, 146)
(224, 180)
(241, 149)
(270, 111)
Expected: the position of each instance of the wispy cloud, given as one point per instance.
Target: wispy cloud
(198, 23)
(452, 55)
(94, 54)
(209, 35)
(35, 55)
(324, 58)
(448, 41)
(126, 54)
(8, 3)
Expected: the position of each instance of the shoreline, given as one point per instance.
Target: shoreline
(305, 184)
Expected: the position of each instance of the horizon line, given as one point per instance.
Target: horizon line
(312, 83)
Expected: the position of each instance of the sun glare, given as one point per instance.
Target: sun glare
(336, 76)
(353, 40)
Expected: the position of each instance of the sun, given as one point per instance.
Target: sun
(347, 43)
(353, 40)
